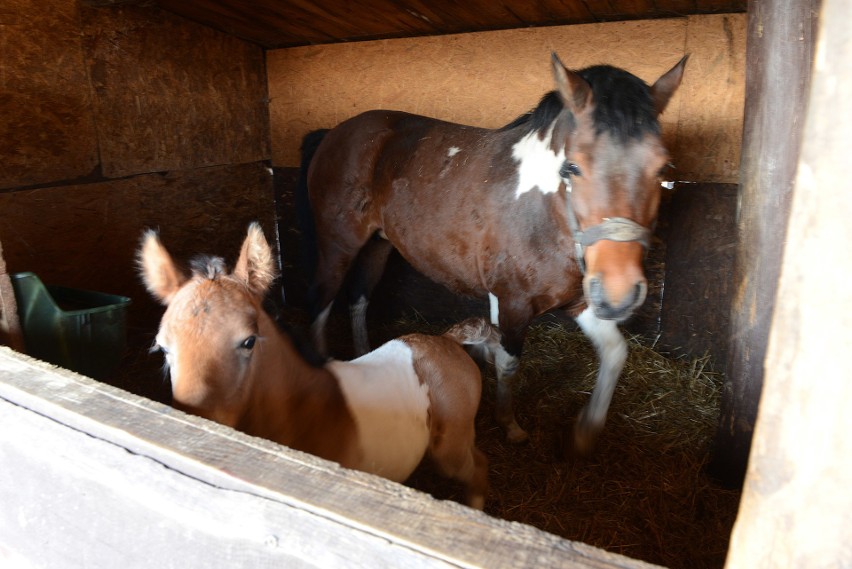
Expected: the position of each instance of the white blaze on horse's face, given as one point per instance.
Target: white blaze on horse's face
(538, 164)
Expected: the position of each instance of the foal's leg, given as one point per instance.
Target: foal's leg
(367, 271)
(612, 352)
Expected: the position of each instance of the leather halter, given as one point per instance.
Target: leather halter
(611, 229)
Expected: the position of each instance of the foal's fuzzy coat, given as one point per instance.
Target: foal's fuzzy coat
(381, 413)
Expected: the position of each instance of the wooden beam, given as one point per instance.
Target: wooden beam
(796, 509)
(778, 67)
(95, 476)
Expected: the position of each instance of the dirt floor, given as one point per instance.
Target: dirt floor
(642, 493)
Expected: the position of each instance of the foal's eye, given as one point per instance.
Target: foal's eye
(248, 343)
(570, 169)
(663, 172)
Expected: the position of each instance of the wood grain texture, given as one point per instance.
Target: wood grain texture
(161, 488)
(86, 236)
(290, 23)
(796, 509)
(47, 132)
(171, 94)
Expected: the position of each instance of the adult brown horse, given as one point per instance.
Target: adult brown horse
(554, 210)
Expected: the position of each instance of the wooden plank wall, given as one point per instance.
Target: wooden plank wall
(123, 118)
(159, 488)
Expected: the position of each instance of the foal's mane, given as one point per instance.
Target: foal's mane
(624, 107)
(208, 266)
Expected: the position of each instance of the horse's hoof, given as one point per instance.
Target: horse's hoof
(515, 434)
(585, 439)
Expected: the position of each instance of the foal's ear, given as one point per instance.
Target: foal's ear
(574, 91)
(159, 273)
(666, 85)
(256, 265)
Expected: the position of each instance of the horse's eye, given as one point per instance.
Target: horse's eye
(248, 343)
(569, 169)
(665, 170)
(158, 348)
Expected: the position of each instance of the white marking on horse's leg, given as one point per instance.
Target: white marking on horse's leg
(612, 352)
(318, 330)
(358, 315)
(507, 366)
(494, 309)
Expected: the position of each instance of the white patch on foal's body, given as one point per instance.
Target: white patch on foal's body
(538, 164)
(390, 408)
(453, 151)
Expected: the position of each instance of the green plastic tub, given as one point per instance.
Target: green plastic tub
(81, 330)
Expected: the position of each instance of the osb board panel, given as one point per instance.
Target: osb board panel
(85, 236)
(171, 94)
(699, 287)
(711, 115)
(47, 131)
(487, 79)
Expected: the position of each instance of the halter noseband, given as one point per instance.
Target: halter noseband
(611, 229)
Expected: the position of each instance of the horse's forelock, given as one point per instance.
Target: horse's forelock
(624, 106)
(208, 267)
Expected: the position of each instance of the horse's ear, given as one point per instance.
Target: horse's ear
(574, 91)
(161, 276)
(666, 85)
(256, 265)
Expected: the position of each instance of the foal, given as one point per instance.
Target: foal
(381, 413)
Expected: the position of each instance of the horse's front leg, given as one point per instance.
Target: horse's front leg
(612, 352)
(513, 325)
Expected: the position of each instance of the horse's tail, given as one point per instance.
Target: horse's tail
(304, 215)
(479, 333)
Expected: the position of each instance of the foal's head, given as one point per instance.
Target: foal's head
(613, 168)
(212, 332)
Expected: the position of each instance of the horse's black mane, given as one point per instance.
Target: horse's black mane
(624, 107)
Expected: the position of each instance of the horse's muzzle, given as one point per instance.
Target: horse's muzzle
(607, 309)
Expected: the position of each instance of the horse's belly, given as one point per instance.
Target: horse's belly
(390, 408)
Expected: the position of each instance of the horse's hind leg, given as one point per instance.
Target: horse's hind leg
(455, 455)
(367, 271)
(334, 261)
(612, 352)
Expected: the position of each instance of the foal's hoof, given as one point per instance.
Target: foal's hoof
(515, 434)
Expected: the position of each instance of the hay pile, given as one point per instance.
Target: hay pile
(643, 492)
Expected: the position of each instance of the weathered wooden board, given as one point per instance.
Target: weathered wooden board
(796, 509)
(780, 53)
(96, 477)
(487, 79)
(701, 242)
(85, 236)
(47, 132)
(171, 94)
(277, 24)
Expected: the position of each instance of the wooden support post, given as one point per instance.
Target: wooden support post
(796, 509)
(778, 67)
